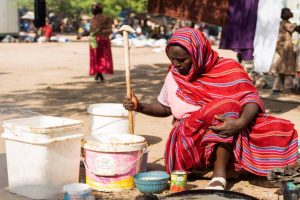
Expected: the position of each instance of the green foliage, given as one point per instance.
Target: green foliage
(114, 7)
(26, 3)
(77, 7)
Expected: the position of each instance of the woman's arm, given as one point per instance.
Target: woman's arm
(152, 109)
(231, 126)
(249, 114)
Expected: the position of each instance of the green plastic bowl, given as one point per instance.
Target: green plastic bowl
(151, 182)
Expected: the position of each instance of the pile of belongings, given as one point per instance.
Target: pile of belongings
(289, 179)
(9, 38)
(286, 174)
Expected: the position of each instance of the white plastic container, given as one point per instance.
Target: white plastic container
(108, 118)
(38, 167)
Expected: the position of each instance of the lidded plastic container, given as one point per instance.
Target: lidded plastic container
(43, 154)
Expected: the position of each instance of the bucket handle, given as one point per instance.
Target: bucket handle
(109, 124)
(19, 109)
(120, 171)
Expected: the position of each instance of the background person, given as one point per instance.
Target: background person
(47, 31)
(284, 67)
(100, 52)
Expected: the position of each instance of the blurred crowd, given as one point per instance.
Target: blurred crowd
(146, 26)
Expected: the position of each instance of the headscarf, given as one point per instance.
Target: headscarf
(211, 77)
(193, 41)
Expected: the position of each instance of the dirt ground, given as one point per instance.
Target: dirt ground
(52, 79)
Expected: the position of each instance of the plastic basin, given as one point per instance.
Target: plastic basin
(151, 182)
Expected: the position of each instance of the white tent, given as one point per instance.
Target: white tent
(9, 21)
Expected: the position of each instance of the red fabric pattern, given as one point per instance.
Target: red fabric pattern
(268, 143)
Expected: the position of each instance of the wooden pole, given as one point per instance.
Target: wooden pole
(125, 30)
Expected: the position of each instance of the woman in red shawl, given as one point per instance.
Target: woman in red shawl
(100, 52)
(220, 119)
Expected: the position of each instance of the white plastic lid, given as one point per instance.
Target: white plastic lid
(108, 109)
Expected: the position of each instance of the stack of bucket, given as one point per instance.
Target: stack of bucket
(112, 155)
(43, 154)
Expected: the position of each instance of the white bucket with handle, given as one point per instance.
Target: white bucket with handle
(108, 118)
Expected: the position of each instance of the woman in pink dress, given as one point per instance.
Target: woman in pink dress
(100, 52)
(220, 119)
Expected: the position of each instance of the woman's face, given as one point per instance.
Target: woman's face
(180, 58)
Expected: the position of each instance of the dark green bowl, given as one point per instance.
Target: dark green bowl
(151, 182)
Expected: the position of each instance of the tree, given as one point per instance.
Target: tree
(25, 3)
(78, 7)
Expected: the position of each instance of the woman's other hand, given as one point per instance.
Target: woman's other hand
(232, 126)
(229, 127)
(131, 104)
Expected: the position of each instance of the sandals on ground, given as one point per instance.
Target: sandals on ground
(218, 187)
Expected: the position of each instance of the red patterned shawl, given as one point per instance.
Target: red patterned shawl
(211, 77)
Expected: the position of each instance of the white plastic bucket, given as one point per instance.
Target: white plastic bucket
(40, 163)
(112, 160)
(77, 191)
(108, 118)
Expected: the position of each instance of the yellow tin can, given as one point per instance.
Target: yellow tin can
(178, 181)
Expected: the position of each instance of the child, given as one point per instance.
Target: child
(47, 30)
(284, 68)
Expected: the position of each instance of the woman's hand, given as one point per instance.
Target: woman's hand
(155, 109)
(229, 127)
(131, 104)
(232, 126)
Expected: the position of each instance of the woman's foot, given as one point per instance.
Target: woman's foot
(217, 183)
(99, 77)
(96, 77)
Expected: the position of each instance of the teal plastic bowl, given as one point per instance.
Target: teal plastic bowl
(151, 182)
